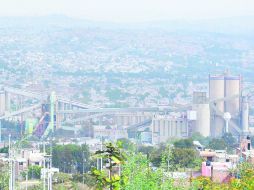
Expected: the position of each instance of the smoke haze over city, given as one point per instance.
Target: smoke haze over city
(129, 11)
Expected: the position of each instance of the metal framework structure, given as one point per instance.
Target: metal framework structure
(69, 112)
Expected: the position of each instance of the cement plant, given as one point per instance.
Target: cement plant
(126, 95)
(224, 109)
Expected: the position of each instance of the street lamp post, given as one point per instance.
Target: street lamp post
(26, 179)
(49, 172)
(44, 166)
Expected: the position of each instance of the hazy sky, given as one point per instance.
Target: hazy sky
(129, 10)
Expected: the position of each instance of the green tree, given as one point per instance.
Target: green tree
(245, 180)
(202, 183)
(184, 143)
(227, 141)
(71, 157)
(34, 172)
(61, 177)
(114, 156)
(4, 177)
(4, 150)
(126, 144)
(230, 141)
(183, 158)
(36, 187)
(217, 144)
(144, 149)
(155, 156)
(203, 140)
(138, 175)
(89, 180)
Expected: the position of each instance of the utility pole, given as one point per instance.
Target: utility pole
(50, 168)
(48, 172)
(13, 172)
(101, 150)
(44, 167)
(26, 179)
(10, 165)
(52, 127)
(48, 176)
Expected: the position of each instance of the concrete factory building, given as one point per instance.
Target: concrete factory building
(201, 116)
(165, 127)
(225, 97)
(225, 110)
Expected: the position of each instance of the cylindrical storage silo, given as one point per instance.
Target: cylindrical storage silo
(216, 96)
(202, 119)
(232, 88)
(216, 91)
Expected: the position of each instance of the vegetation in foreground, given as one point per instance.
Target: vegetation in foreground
(136, 167)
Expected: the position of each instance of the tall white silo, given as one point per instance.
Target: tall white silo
(232, 88)
(202, 124)
(216, 92)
